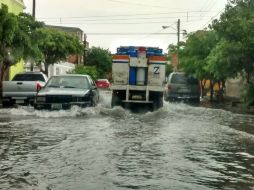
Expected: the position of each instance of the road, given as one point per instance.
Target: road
(176, 147)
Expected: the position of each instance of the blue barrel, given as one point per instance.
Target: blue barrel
(150, 53)
(133, 53)
(132, 76)
(158, 52)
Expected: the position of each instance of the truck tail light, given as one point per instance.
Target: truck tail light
(38, 86)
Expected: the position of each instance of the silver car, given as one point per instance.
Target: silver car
(182, 87)
(64, 91)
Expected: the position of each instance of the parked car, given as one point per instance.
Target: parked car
(64, 91)
(23, 88)
(102, 83)
(182, 87)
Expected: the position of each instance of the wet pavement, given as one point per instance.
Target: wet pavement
(177, 147)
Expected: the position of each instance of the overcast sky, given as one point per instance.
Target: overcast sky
(141, 21)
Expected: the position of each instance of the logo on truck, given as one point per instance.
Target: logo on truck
(156, 70)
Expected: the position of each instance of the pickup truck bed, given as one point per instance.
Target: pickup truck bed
(23, 88)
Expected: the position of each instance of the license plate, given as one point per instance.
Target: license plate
(56, 106)
(137, 97)
(20, 101)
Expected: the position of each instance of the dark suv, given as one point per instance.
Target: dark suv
(182, 87)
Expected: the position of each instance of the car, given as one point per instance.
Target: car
(181, 86)
(65, 91)
(103, 83)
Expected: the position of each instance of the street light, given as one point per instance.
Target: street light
(178, 37)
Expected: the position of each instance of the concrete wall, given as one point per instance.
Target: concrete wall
(235, 87)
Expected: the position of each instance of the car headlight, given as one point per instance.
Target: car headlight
(41, 99)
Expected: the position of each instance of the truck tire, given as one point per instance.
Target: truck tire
(157, 103)
(6, 104)
(115, 101)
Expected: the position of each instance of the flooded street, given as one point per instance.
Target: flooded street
(176, 147)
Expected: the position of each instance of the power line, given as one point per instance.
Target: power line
(142, 18)
(131, 34)
(137, 4)
(125, 15)
(213, 18)
(116, 23)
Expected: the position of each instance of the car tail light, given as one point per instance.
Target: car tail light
(38, 86)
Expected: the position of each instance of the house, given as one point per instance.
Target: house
(75, 59)
(16, 7)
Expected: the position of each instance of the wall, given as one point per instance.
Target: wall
(14, 6)
(60, 68)
(235, 87)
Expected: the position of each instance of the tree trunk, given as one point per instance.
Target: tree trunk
(211, 90)
(3, 68)
(203, 88)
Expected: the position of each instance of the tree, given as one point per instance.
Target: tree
(101, 59)
(194, 56)
(27, 34)
(8, 51)
(16, 39)
(235, 52)
(56, 45)
(87, 70)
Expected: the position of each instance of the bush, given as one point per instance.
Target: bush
(249, 95)
(86, 70)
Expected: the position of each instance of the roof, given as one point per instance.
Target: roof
(65, 28)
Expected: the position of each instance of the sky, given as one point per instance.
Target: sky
(113, 23)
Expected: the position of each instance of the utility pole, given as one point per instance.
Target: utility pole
(33, 14)
(178, 40)
(34, 6)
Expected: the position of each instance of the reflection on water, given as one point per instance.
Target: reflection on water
(176, 147)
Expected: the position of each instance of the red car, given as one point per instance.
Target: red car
(102, 83)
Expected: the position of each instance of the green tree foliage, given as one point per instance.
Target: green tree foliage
(8, 29)
(101, 59)
(194, 56)
(27, 35)
(87, 70)
(235, 51)
(56, 45)
(17, 39)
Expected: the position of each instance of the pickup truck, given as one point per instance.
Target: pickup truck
(23, 88)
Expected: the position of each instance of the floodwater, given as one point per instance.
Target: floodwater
(177, 147)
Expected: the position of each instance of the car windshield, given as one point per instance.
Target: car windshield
(183, 79)
(68, 82)
(28, 77)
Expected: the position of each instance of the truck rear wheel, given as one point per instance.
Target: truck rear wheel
(115, 101)
(157, 101)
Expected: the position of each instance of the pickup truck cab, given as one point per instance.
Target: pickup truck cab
(23, 88)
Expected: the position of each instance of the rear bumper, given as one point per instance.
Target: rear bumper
(59, 106)
(188, 97)
(18, 100)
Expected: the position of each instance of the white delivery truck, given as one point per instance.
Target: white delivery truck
(138, 75)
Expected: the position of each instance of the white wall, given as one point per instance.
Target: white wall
(60, 68)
